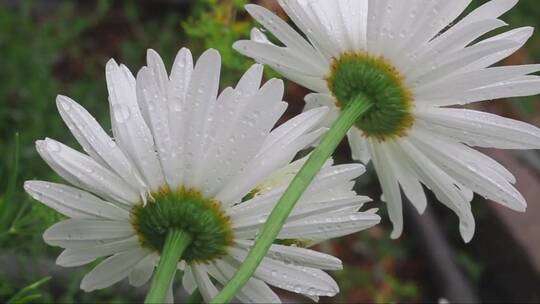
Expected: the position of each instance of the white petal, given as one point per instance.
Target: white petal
(517, 87)
(81, 170)
(250, 82)
(283, 32)
(255, 215)
(279, 58)
(389, 185)
(207, 289)
(315, 100)
(519, 36)
(326, 180)
(454, 159)
(254, 291)
(329, 226)
(249, 132)
(178, 86)
(153, 102)
(456, 84)
(294, 128)
(158, 70)
(112, 270)
(354, 15)
(446, 189)
(129, 128)
(431, 18)
(481, 129)
(188, 281)
(72, 257)
(457, 61)
(143, 271)
(408, 181)
(97, 143)
(299, 256)
(291, 277)
(76, 233)
(490, 10)
(358, 144)
(451, 41)
(312, 19)
(73, 202)
(263, 164)
(202, 94)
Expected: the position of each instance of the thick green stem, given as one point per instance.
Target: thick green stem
(283, 208)
(176, 243)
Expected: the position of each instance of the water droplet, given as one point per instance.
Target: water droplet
(121, 113)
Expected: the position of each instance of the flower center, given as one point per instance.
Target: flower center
(187, 210)
(355, 74)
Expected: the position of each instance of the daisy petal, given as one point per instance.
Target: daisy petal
(519, 36)
(290, 277)
(254, 216)
(81, 170)
(265, 163)
(129, 128)
(76, 233)
(472, 80)
(445, 188)
(73, 202)
(255, 291)
(329, 226)
(408, 181)
(359, 146)
(453, 40)
(457, 61)
(480, 179)
(97, 143)
(481, 129)
(298, 256)
(517, 87)
(490, 10)
(178, 86)
(143, 271)
(72, 257)
(389, 185)
(207, 289)
(202, 94)
(282, 31)
(112, 270)
(188, 281)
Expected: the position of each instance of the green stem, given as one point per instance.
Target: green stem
(176, 243)
(195, 298)
(354, 109)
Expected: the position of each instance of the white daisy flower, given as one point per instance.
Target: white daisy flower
(184, 158)
(411, 60)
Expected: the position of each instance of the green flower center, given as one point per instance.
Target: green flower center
(187, 210)
(353, 74)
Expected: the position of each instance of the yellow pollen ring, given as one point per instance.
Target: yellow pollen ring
(189, 211)
(352, 74)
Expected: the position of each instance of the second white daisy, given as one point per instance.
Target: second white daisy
(405, 59)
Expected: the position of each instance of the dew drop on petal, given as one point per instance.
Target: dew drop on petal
(121, 113)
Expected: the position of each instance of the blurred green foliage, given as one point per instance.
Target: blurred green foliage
(215, 24)
(29, 293)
